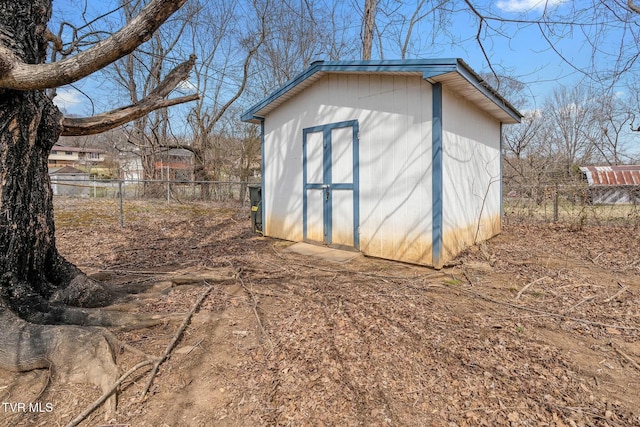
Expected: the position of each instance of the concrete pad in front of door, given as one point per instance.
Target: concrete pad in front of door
(324, 252)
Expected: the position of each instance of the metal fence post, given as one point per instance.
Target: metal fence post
(121, 210)
(555, 204)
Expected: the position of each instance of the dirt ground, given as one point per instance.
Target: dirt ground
(538, 327)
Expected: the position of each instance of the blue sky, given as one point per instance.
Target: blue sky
(518, 50)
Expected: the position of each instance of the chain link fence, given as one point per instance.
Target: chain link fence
(171, 192)
(574, 203)
(179, 191)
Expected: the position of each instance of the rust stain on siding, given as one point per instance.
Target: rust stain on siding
(414, 250)
(276, 227)
(399, 249)
(457, 240)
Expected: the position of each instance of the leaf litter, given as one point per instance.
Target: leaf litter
(537, 327)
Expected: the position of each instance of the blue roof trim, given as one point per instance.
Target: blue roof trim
(438, 71)
(472, 77)
(429, 67)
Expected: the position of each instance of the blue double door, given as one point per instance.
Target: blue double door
(330, 191)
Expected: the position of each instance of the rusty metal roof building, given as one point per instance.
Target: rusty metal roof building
(612, 175)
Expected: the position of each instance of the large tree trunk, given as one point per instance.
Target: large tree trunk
(42, 294)
(38, 287)
(33, 272)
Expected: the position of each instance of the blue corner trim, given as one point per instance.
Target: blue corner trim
(356, 185)
(305, 186)
(436, 177)
(264, 216)
(501, 166)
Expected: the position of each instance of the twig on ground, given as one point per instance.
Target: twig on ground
(593, 260)
(528, 285)
(617, 294)
(275, 251)
(580, 303)
(175, 339)
(254, 306)
(379, 276)
(46, 383)
(626, 357)
(77, 420)
(141, 272)
(579, 285)
(193, 347)
(119, 344)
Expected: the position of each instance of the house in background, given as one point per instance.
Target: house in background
(61, 156)
(130, 166)
(398, 159)
(610, 185)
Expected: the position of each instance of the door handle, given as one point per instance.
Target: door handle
(327, 190)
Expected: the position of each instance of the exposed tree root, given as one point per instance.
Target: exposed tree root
(114, 387)
(65, 339)
(77, 354)
(84, 292)
(175, 340)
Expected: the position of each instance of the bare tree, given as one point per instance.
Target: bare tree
(596, 22)
(137, 74)
(299, 32)
(39, 286)
(368, 27)
(228, 45)
(569, 120)
(611, 120)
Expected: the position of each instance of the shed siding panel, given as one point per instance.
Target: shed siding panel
(471, 175)
(282, 193)
(394, 115)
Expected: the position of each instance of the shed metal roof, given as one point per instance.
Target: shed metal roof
(612, 175)
(68, 170)
(453, 73)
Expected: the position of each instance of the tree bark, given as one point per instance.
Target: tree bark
(21, 74)
(369, 24)
(32, 269)
(39, 288)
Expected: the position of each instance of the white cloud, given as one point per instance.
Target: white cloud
(527, 5)
(67, 98)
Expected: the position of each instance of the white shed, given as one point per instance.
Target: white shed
(398, 159)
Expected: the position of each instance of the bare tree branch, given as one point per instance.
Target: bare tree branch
(15, 74)
(112, 119)
(154, 101)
